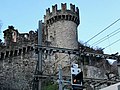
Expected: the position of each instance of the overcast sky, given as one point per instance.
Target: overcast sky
(95, 15)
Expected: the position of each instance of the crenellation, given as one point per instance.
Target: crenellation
(15, 52)
(72, 7)
(48, 11)
(77, 10)
(63, 7)
(54, 8)
(61, 14)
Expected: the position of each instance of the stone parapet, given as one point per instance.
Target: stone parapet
(15, 52)
(71, 14)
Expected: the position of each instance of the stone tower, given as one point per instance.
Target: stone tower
(61, 26)
(10, 35)
(61, 29)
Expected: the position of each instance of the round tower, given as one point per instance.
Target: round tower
(61, 26)
(61, 31)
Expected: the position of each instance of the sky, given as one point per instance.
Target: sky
(95, 16)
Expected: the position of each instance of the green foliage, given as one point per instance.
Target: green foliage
(51, 87)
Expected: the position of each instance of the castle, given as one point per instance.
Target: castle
(18, 59)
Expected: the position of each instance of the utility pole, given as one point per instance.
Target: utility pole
(40, 54)
(60, 77)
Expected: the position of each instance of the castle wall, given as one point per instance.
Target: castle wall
(17, 65)
(16, 72)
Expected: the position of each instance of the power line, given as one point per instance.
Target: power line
(102, 30)
(106, 37)
(111, 44)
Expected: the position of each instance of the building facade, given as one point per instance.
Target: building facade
(18, 59)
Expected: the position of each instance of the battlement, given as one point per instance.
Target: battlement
(71, 14)
(15, 52)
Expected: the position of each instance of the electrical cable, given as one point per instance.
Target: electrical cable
(102, 30)
(106, 37)
(111, 44)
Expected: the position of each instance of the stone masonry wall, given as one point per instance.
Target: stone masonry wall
(94, 72)
(63, 34)
(17, 72)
